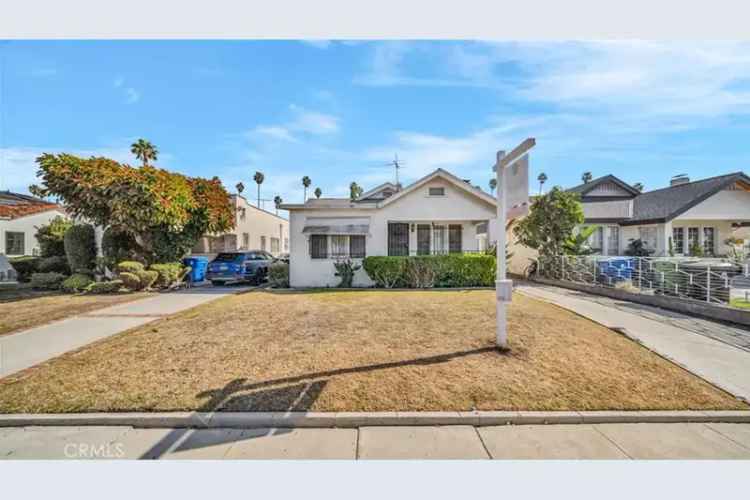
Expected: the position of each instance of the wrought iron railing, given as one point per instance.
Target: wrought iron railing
(712, 280)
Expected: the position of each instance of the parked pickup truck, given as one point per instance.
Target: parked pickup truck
(239, 267)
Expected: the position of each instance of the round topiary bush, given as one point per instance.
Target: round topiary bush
(130, 281)
(76, 283)
(148, 278)
(100, 287)
(129, 266)
(54, 264)
(80, 247)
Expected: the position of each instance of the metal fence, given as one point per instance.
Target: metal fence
(718, 281)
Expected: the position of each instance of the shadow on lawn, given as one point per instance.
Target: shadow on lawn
(287, 394)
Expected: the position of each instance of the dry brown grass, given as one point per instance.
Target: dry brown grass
(361, 351)
(22, 307)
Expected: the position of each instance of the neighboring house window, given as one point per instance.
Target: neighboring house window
(436, 191)
(454, 238)
(648, 237)
(692, 239)
(263, 243)
(357, 246)
(708, 240)
(440, 243)
(398, 239)
(319, 246)
(423, 239)
(14, 243)
(678, 240)
(245, 240)
(286, 244)
(274, 245)
(596, 240)
(613, 240)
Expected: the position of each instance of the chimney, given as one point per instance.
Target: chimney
(679, 179)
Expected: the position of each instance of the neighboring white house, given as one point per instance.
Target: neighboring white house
(254, 229)
(699, 214)
(439, 213)
(20, 216)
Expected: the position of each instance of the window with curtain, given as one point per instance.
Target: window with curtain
(319, 246)
(693, 241)
(339, 246)
(709, 241)
(678, 240)
(439, 239)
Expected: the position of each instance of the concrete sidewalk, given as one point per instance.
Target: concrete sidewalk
(699, 349)
(22, 350)
(582, 441)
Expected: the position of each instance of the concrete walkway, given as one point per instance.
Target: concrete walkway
(24, 349)
(596, 441)
(711, 350)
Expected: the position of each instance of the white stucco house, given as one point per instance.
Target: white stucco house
(254, 229)
(20, 216)
(699, 214)
(439, 213)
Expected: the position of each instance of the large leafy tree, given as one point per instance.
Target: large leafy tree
(163, 212)
(144, 151)
(551, 222)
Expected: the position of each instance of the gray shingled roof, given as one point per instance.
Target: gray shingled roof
(582, 189)
(667, 203)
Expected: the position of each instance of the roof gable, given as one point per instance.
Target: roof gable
(447, 176)
(15, 205)
(607, 186)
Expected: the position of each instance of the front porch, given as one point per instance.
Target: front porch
(435, 237)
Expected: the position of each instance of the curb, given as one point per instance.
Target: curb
(250, 420)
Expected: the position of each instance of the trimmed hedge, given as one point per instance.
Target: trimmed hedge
(147, 277)
(76, 283)
(80, 247)
(129, 266)
(130, 281)
(169, 274)
(25, 267)
(47, 281)
(278, 275)
(54, 264)
(100, 287)
(427, 271)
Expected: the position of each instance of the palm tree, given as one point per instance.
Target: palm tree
(240, 187)
(259, 178)
(144, 151)
(638, 186)
(493, 185)
(306, 184)
(318, 192)
(542, 179)
(586, 177)
(277, 201)
(355, 191)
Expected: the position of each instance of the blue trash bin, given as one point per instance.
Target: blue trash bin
(198, 267)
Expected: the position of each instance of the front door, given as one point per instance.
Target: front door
(423, 239)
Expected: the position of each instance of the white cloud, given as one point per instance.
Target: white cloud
(302, 122)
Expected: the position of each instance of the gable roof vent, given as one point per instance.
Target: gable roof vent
(679, 179)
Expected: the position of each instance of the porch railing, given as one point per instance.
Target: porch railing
(712, 280)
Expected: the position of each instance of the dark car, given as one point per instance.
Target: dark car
(239, 267)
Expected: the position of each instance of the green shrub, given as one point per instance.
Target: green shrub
(426, 271)
(345, 270)
(51, 236)
(76, 283)
(119, 247)
(46, 281)
(54, 264)
(101, 287)
(80, 247)
(169, 274)
(129, 266)
(25, 267)
(386, 272)
(278, 275)
(130, 281)
(147, 277)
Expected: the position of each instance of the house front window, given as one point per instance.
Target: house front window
(440, 241)
(693, 240)
(274, 245)
(709, 240)
(14, 243)
(678, 240)
(436, 191)
(246, 241)
(613, 240)
(319, 246)
(357, 246)
(263, 243)
(398, 239)
(455, 232)
(596, 240)
(423, 239)
(337, 246)
(286, 244)
(648, 237)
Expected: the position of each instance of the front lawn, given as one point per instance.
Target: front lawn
(361, 351)
(21, 307)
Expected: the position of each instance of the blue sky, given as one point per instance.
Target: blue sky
(338, 111)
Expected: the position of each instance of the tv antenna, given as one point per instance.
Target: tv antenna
(397, 165)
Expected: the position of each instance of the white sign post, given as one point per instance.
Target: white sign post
(513, 190)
